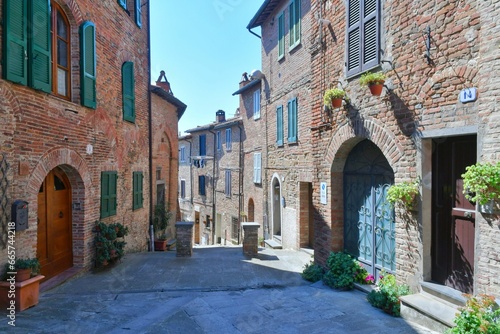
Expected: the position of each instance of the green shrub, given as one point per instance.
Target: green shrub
(343, 271)
(482, 182)
(108, 247)
(312, 272)
(479, 315)
(386, 295)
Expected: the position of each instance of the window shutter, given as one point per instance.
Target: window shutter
(123, 3)
(88, 65)
(39, 62)
(257, 162)
(104, 195)
(281, 35)
(279, 126)
(256, 104)
(128, 93)
(138, 12)
(201, 184)
(16, 41)
(291, 20)
(137, 190)
(370, 39)
(297, 21)
(292, 120)
(353, 37)
(203, 145)
(112, 193)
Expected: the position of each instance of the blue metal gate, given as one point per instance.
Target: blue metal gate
(369, 228)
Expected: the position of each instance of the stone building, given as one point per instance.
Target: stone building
(215, 176)
(286, 111)
(185, 188)
(74, 126)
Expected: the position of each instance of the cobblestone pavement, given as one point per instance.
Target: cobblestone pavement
(217, 290)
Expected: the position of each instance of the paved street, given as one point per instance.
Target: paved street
(218, 290)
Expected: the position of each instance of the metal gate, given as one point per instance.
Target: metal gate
(369, 228)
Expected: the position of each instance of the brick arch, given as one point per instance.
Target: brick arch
(467, 73)
(10, 101)
(72, 10)
(348, 135)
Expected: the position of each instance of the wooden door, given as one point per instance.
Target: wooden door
(54, 246)
(453, 216)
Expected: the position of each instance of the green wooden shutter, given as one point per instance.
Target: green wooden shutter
(137, 190)
(112, 193)
(138, 12)
(39, 65)
(292, 121)
(88, 65)
(128, 94)
(291, 20)
(297, 21)
(279, 126)
(108, 194)
(15, 52)
(281, 35)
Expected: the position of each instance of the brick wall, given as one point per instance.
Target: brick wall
(44, 132)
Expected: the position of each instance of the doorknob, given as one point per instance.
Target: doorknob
(61, 214)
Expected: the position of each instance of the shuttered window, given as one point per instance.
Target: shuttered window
(256, 104)
(183, 188)
(279, 126)
(281, 35)
(137, 178)
(203, 145)
(27, 54)
(257, 170)
(294, 23)
(138, 13)
(128, 91)
(228, 139)
(363, 35)
(219, 142)
(88, 65)
(227, 189)
(292, 121)
(201, 185)
(108, 194)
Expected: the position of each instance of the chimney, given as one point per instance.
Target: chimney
(244, 79)
(220, 116)
(164, 84)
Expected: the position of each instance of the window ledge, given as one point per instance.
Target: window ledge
(294, 46)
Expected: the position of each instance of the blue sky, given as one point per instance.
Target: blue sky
(203, 46)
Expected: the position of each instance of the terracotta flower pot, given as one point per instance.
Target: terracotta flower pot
(26, 295)
(336, 103)
(376, 89)
(23, 274)
(160, 245)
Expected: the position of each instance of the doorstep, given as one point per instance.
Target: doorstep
(59, 279)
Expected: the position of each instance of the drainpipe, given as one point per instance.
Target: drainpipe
(150, 138)
(250, 30)
(240, 181)
(213, 187)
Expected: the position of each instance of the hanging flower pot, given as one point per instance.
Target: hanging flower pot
(374, 81)
(336, 103)
(333, 97)
(376, 89)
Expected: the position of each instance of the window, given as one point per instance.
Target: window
(183, 154)
(279, 126)
(257, 163)
(294, 23)
(128, 93)
(138, 12)
(281, 35)
(183, 188)
(137, 190)
(203, 145)
(256, 104)
(108, 194)
(123, 3)
(201, 185)
(292, 121)
(219, 143)
(60, 37)
(88, 65)
(227, 189)
(363, 37)
(228, 139)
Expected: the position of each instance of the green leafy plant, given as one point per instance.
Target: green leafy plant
(370, 78)
(161, 219)
(108, 243)
(482, 182)
(386, 294)
(312, 272)
(29, 263)
(479, 315)
(333, 93)
(343, 271)
(403, 193)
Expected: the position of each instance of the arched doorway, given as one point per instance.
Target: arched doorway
(276, 207)
(369, 228)
(54, 245)
(251, 210)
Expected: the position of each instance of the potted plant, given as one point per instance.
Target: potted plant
(482, 184)
(403, 193)
(109, 242)
(26, 290)
(333, 97)
(161, 220)
(374, 81)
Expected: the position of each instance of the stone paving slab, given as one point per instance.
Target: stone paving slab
(218, 290)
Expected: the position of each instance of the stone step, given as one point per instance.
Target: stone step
(273, 244)
(444, 293)
(277, 238)
(428, 310)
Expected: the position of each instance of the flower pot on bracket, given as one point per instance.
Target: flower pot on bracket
(336, 103)
(376, 89)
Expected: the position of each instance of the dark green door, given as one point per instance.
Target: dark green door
(369, 229)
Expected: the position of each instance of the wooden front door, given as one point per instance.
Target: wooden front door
(453, 216)
(54, 247)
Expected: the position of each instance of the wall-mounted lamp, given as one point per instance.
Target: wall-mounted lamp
(324, 21)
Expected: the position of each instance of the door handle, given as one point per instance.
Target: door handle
(468, 214)
(61, 214)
